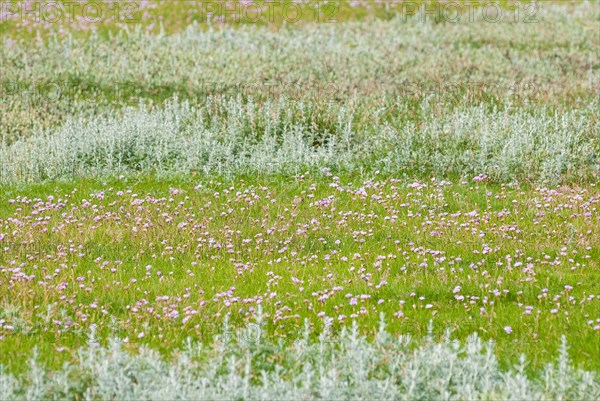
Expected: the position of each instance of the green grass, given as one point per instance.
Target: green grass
(561, 248)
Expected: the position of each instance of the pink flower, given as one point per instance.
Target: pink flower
(508, 329)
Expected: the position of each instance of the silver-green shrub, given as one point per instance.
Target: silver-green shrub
(351, 367)
(180, 138)
(378, 111)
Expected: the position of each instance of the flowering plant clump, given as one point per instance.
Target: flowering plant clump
(156, 262)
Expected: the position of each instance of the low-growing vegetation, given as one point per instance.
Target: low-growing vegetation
(157, 263)
(194, 208)
(386, 368)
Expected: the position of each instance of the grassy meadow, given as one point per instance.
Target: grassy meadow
(195, 207)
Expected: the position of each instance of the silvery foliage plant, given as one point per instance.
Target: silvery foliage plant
(538, 119)
(280, 137)
(346, 366)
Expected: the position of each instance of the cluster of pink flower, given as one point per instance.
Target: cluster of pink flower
(313, 250)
